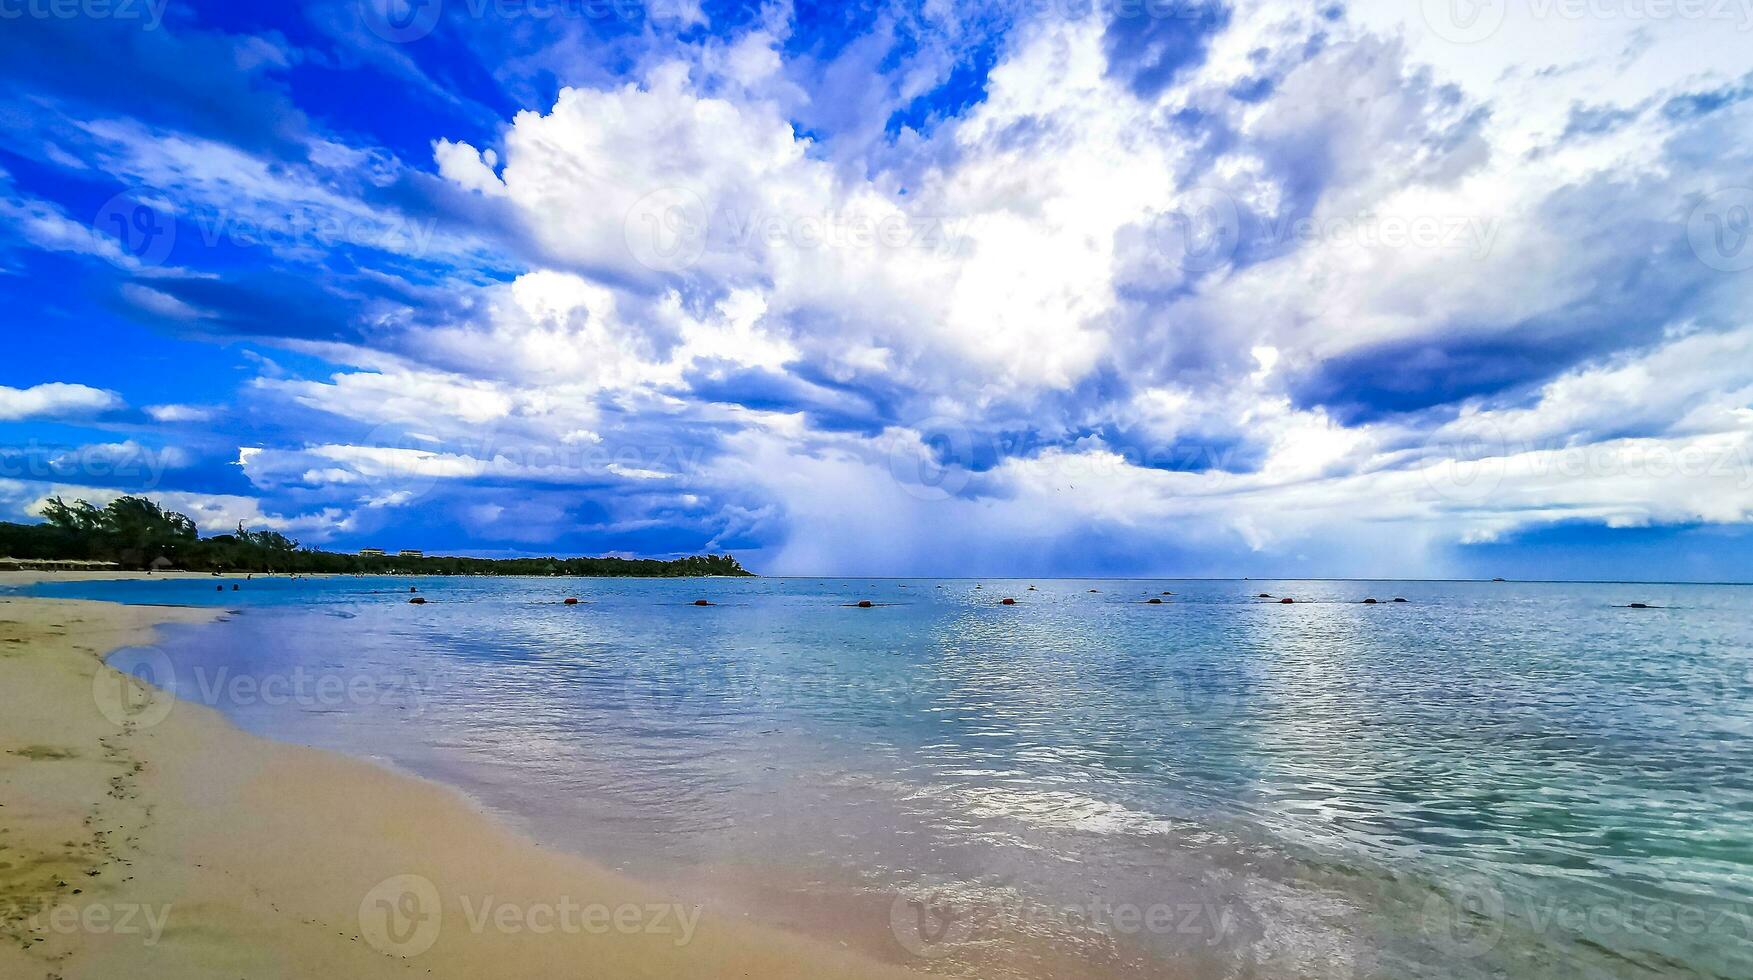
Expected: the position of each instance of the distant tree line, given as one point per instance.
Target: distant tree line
(134, 532)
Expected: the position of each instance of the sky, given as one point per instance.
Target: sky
(1392, 288)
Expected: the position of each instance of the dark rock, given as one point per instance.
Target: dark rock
(1286, 601)
(1008, 602)
(416, 601)
(571, 601)
(865, 603)
(701, 602)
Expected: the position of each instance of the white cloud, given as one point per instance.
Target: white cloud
(719, 310)
(180, 413)
(56, 400)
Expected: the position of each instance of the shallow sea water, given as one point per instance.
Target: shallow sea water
(1489, 779)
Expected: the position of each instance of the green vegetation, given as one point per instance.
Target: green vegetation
(134, 532)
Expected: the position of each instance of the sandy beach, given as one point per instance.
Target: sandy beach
(144, 837)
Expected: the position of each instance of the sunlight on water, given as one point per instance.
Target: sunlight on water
(1487, 778)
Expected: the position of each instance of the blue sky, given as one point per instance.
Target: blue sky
(1125, 287)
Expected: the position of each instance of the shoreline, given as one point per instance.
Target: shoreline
(147, 836)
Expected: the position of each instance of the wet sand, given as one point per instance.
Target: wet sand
(144, 837)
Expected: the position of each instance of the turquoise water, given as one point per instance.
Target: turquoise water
(1487, 780)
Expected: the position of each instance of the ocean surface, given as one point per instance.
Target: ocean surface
(1489, 779)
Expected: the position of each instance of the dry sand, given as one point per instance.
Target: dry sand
(173, 845)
